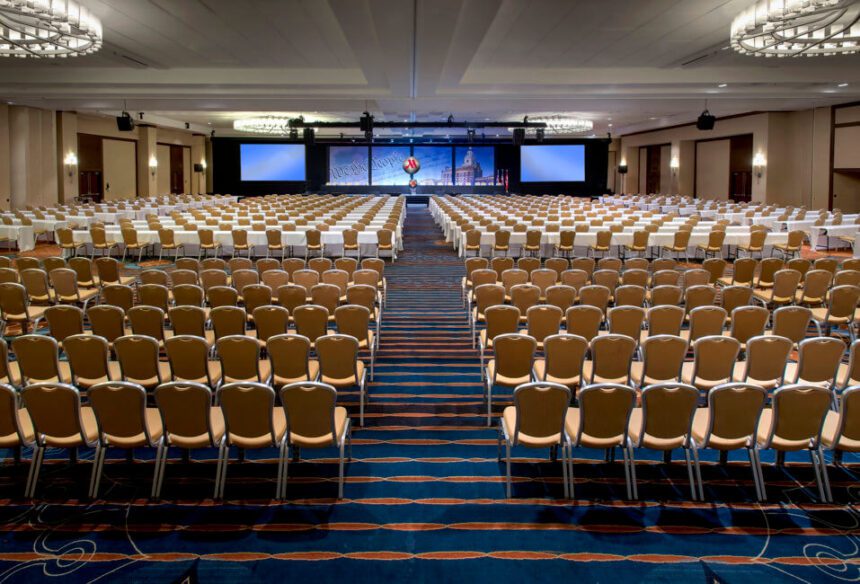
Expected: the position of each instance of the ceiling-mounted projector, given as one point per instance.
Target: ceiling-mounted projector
(706, 121)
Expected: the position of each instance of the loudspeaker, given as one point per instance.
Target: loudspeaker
(125, 123)
(366, 123)
(309, 136)
(519, 136)
(198, 167)
(706, 121)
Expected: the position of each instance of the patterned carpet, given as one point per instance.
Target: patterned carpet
(424, 498)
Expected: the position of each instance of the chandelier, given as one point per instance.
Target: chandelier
(270, 125)
(557, 125)
(790, 28)
(47, 28)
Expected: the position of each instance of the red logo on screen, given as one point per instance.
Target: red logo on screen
(411, 165)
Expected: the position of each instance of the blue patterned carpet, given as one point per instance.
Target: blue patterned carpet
(424, 498)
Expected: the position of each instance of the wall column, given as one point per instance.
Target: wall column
(67, 143)
(198, 156)
(5, 167)
(147, 184)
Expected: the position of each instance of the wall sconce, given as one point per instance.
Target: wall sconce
(674, 165)
(759, 164)
(153, 165)
(203, 164)
(71, 161)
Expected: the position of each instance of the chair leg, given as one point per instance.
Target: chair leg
(163, 467)
(819, 482)
(157, 470)
(489, 403)
(340, 473)
(693, 493)
(624, 454)
(218, 468)
(564, 469)
(760, 473)
(823, 464)
(632, 460)
(95, 477)
(280, 478)
(698, 469)
(286, 469)
(33, 474)
(507, 469)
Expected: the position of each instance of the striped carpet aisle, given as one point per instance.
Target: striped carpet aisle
(425, 494)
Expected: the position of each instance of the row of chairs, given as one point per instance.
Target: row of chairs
(287, 357)
(575, 361)
(385, 242)
(606, 417)
(186, 415)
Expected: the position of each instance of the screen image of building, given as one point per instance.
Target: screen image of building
(469, 173)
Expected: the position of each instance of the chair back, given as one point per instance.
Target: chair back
(55, 410)
(514, 353)
(604, 411)
(798, 417)
(185, 412)
(38, 358)
(310, 410)
(247, 409)
(667, 414)
(338, 357)
(714, 357)
(611, 356)
(663, 357)
(541, 409)
(311, 321)
(565, 354)
(748, 322)
(64, 321)
(665, 320)
(735, 409)
(584, 320)
(107, 321)
(120, 410)
(188, 356)
(819, 359)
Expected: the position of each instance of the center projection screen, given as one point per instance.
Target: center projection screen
(272, 162)
(552, 163)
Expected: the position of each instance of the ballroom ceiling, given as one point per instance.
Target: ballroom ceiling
(628, 65)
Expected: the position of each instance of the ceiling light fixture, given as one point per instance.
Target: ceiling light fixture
(842, 85)
(721, 85)
(557, 125)
(790, 28)
(47, 28)
(269, 125)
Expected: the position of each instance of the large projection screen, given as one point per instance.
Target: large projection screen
(272, 162)
(552, 163)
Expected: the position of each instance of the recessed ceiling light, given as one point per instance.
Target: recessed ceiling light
(721, 85)
(610, 125)
(652, 118)
(842, 85)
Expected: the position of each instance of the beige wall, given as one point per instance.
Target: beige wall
(120, 169)
(712, 169)
(846, 147)
(795, 145)
(755, 124)
(35, 142)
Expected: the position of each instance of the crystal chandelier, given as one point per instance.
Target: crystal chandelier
(47, 28)
(269, 125)
(557, 125)
(790, 28)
